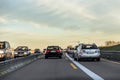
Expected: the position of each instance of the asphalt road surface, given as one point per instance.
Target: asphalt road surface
(66, 69)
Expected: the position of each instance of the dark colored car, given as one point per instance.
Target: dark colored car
(21, 51)
(53, 51)
(37, 51)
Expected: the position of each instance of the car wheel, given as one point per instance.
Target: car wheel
(98, 59)
(93, 59)
(60, 57)
(4, 58)
(46, 57)
(78, 59)
(75, 59)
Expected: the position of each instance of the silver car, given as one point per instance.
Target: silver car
(5, 50)
(88, 51)
(22, 51)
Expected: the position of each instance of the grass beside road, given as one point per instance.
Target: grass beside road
(110, 48)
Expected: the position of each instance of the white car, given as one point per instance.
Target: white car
(5, 51)
(88, 51)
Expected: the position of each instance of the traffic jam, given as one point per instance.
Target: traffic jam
(81, 51)
(7, 53)
(54, 60)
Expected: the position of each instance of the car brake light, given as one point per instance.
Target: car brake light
(58, 51)
(47, 51)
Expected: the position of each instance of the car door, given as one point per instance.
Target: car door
(8, 50)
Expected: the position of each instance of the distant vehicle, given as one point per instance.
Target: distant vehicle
(5, 50)
(53, 51)
(65, 50)
(37, 51)
(44, 50)
(21, 51)
(88, 51)
(70, 50)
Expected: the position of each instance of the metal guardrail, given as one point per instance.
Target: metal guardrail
(111, 55)
(111, 51)
(12, 65)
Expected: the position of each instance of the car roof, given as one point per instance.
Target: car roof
(89, 44)
(4, 41)
(53, 46)
(37, 49)
(22, 46)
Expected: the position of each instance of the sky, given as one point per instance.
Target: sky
(39, 23)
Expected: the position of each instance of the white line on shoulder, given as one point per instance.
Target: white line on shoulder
(84, 69)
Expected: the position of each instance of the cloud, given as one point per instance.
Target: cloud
(67, 7)
(60, 17)
(43, 11)
(63, 14)
(3, 20)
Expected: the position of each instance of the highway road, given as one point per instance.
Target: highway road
(66, 69)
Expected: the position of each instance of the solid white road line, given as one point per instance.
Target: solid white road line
(84, 69)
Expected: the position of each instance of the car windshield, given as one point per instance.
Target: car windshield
(53, 48)
(2, 45)
(22, 48)
(89, 47)
(36, 49)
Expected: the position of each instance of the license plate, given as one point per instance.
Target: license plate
(20, 54)
(53, 51)
(90, 53)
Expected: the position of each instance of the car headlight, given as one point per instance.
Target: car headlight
(1, 52)
(25, 52)
(15, 53)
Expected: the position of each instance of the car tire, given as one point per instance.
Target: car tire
(98, 59)
(60, 57)
(75, 59)
(46, 57)
(4, 58)
(93, 59)
(78, 59)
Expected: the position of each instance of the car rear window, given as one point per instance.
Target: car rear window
(37, 49)
(2, 45)
(53, 48)
(89, 47)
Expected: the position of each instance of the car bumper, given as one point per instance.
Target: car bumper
(89, 56)
(54, 55)
(19, 55)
